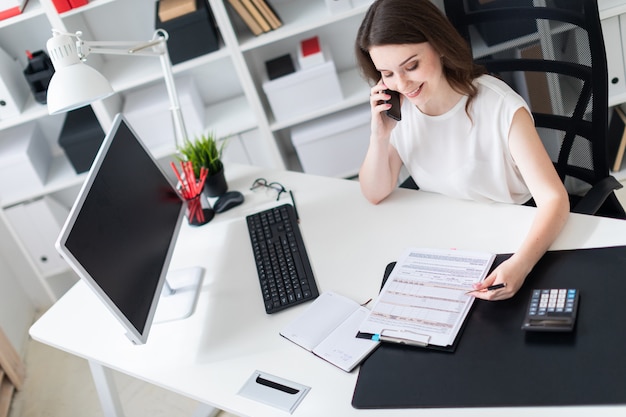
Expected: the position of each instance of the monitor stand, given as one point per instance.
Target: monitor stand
(179, 295)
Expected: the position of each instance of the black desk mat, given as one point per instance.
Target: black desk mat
(497, 364)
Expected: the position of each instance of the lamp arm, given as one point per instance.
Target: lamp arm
(156, 47)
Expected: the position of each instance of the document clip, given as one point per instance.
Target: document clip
(404, 337)
(275, 391)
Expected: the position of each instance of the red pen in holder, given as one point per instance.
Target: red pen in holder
(191, 191)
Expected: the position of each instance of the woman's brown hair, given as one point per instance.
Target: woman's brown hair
(401, 22)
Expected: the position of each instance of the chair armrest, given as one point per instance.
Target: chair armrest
(595, 197)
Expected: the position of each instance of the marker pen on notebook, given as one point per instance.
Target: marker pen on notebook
(377, 337)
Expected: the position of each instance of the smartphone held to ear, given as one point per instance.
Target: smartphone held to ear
(394, 111)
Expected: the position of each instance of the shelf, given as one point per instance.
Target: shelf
(60, 176)
(481, 49)
(226, 81)
(91, 5)
(31, 111)
(226, 118)
(298, 16)
(128, 72)
(33, 8)
(230, 117)
(610, 8)
(617, 99)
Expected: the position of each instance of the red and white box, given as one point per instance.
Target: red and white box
(310, 53)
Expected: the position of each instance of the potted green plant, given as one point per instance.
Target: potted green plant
(206, 151)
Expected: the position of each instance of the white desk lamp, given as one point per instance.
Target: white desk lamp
(75, 84)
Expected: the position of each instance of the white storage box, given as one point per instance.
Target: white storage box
(25, 158)
(335, 145)
(148, 112)
(303, 91)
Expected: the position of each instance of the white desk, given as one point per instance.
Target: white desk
(210, 355)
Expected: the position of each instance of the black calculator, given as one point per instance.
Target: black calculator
(552, 310)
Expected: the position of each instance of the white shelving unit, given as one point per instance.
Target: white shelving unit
(228, 81)
(613, 17)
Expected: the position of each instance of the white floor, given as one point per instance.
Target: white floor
(60, 385)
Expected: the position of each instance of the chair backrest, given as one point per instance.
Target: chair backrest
(552, 53)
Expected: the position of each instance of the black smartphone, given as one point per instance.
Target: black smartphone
(394, 111)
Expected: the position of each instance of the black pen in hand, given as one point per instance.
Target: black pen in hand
(490, 288)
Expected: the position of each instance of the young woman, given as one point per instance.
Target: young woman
(463, 133)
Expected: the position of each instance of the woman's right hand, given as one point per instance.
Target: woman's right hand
(381, 124)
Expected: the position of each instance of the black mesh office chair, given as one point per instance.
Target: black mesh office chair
(552, 53)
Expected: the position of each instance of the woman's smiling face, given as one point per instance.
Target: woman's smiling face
(414, 70)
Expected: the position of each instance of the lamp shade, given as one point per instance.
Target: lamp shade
(74, 84)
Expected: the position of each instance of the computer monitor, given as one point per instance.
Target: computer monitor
(121, 232)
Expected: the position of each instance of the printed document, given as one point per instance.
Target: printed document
(425, 298)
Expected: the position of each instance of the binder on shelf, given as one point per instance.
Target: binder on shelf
(252, 24)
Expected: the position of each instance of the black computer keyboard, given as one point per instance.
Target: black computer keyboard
(281, 259)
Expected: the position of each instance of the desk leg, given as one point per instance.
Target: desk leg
(105, 386)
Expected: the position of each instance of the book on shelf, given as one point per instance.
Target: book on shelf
(425, 301)
(328, 329)
(268, 12)
(171, 9)
(258, 15)
(247, 17)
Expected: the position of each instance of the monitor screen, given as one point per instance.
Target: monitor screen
(121, 231)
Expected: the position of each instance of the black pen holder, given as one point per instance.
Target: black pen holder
(38, 74)
(198, 210)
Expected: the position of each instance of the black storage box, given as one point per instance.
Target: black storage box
(81, 137)
(190, 35)
(38, 74)
(279, 67)
(505, 30)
